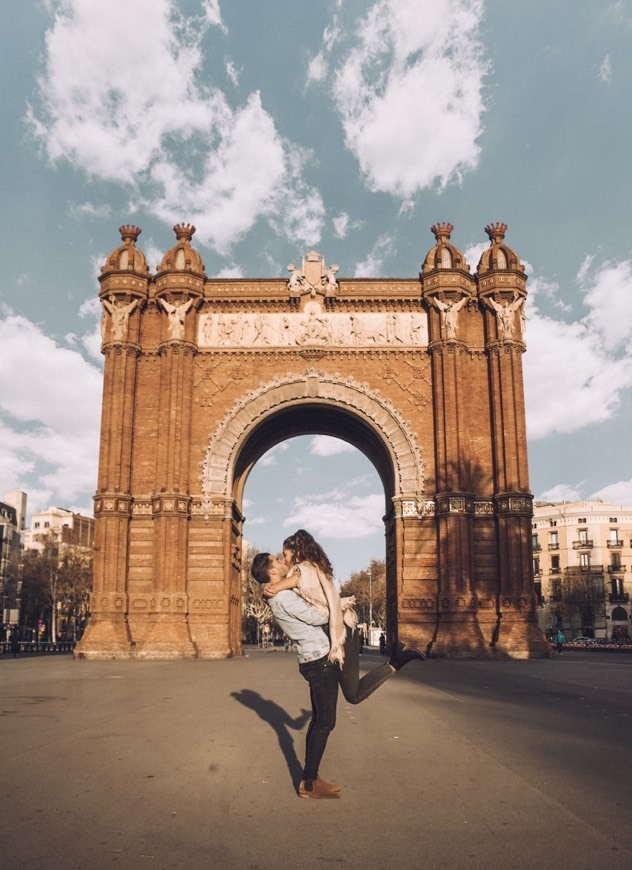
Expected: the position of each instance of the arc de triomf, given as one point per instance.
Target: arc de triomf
(204, 375)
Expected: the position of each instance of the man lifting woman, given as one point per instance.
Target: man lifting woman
(308, 608)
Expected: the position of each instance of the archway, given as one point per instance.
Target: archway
(202, 375)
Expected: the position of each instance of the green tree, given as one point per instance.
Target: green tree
(369, 588)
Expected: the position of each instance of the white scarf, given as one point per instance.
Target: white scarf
(319, 591)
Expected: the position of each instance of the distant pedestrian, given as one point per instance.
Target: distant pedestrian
(559, 640)
(361, 636)
(382, 644)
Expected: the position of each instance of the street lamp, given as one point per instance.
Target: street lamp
(370, 576)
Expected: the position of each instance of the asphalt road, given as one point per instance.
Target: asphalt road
(194, 765)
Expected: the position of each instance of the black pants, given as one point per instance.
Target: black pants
(356, 688)
(322, 677)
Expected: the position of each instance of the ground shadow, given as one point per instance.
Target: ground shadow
(280, 722)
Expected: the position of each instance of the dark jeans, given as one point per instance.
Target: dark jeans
(355, 688)
(322, 677)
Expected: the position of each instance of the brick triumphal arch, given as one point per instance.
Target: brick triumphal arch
(203, 375)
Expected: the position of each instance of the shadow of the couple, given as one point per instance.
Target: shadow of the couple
(280, 722)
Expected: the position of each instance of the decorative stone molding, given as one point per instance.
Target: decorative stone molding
(313, 327)
(515, 504)
(293, 389)
(112, 504)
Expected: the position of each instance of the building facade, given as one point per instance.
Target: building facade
(61, 526)
(203, 375)
(582, 559)
(12, 520)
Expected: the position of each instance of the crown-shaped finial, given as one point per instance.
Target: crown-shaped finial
(184, 232)
(129, 233)
(442, 231)
(496, 232)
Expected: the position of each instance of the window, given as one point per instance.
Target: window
(583, 536)
(584, 561)
(46, 525)
(615, 561)
(555, 564)
(536, 567)
(535, 542)
(617, 587)
(37, 525)
(614, 536)
(554, 543)
(552, 522)
(613, 520)
(581, 519)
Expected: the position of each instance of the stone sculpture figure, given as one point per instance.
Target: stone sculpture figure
(505, 314)
(449, 314)
(120, 317)
(296, 278)
(177, 314)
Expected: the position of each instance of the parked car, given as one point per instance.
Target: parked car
(583, 640)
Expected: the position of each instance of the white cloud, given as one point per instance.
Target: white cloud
(50, 402)
(139, 112)
(337, 515)
(410, 94)
(343, 225)
(272, 455)
(615, 493)
(232, 72)
(605, 70)
(575, 373)
(561, 492)
(374, 261)
(79, 210)
(317, 68)
(325, 445)
(213, 14)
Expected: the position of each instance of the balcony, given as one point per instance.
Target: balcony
(582, 545)
(554, 546)
(617, 569)
(615, 545)
(619, 597)
(537, 548)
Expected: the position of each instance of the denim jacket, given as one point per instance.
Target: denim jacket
(302, 623)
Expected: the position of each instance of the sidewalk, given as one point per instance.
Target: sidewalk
(193, 764)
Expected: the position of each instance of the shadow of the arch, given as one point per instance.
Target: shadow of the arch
(280, 722)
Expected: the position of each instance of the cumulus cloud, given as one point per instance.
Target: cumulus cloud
(337, 515)
(410, 94)
(324, 445)
(137, 112)
(576, 372)
(50, 409)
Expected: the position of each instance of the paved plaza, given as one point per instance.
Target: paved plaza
(194, 764)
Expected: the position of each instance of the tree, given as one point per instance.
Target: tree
(255, 611)
(56, 583)
(369, 588)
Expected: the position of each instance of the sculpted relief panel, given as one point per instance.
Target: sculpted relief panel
(314, 327)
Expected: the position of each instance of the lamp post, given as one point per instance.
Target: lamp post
(370, 576)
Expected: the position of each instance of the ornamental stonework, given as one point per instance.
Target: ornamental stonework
(203, 375)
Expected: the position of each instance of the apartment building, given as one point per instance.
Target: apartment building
(582, 561)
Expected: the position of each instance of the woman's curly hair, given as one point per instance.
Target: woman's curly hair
(305, 549)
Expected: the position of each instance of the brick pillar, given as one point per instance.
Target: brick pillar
(448, 291)
(124, 283)
(502, 291)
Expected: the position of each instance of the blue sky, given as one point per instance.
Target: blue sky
(350, 127)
